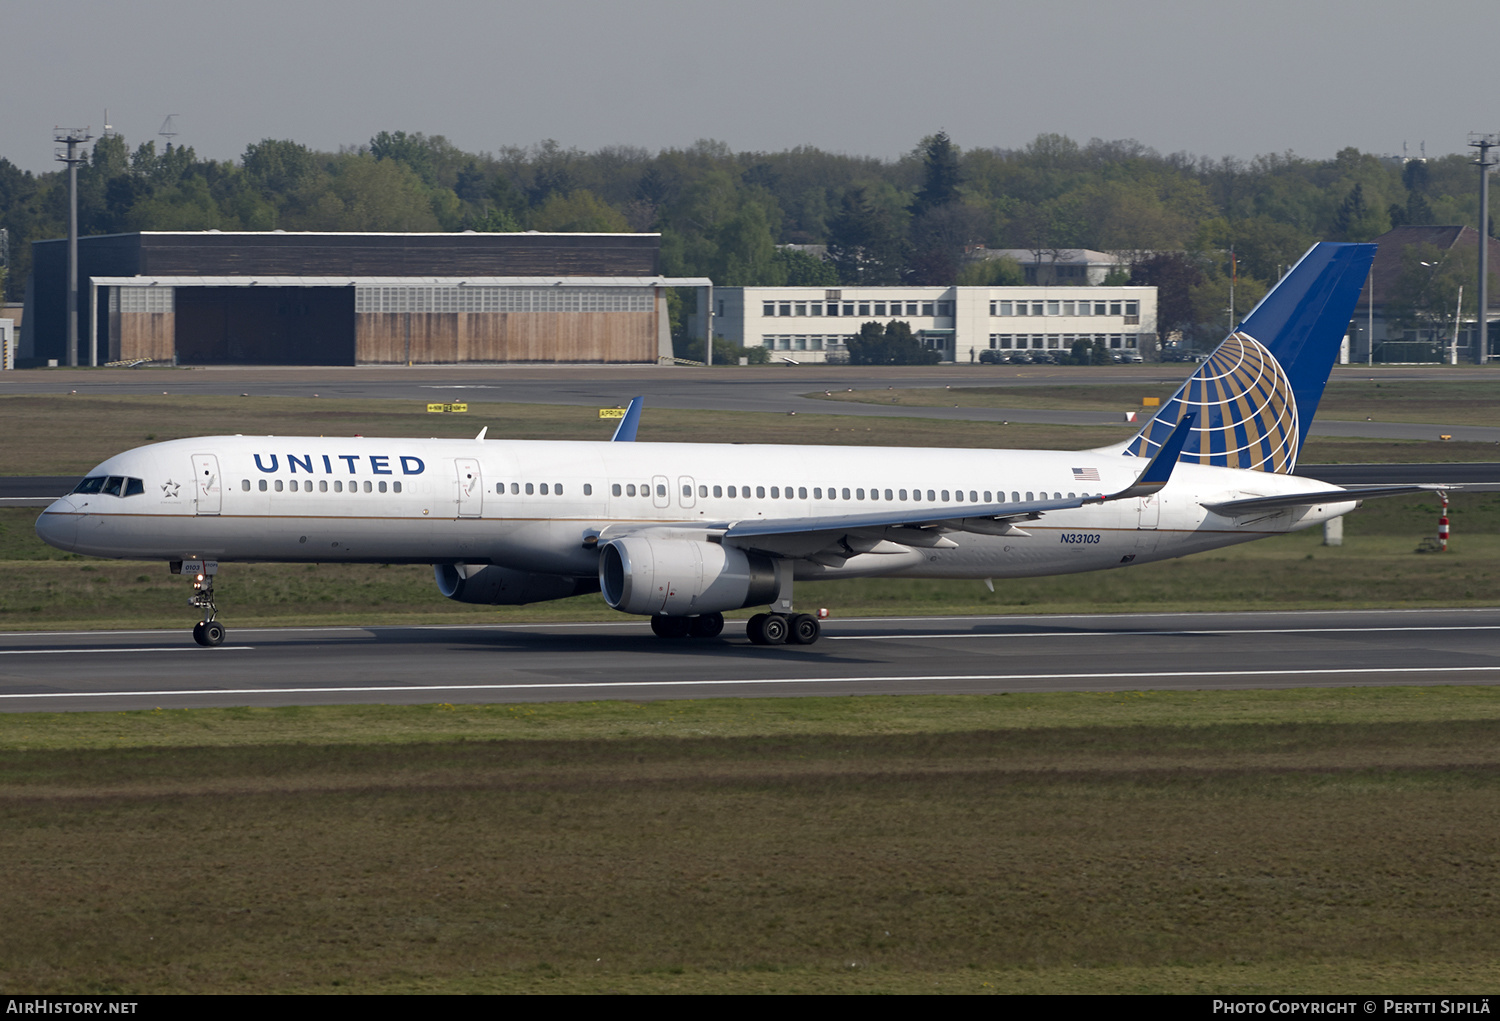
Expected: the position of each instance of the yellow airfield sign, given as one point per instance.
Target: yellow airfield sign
(440, 408)
(611, 412)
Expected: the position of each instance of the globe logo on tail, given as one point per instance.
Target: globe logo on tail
(1247, 414)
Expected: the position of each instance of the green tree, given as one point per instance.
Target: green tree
(578, 211)
(941, 173)
(865, 243)
(803, 269)
(889, 344)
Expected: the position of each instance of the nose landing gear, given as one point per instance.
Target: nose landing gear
(208, 631)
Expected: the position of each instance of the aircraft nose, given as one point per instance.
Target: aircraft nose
(58, 524)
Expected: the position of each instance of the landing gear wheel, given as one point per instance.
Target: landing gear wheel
(753, 628)
(804, 629)
(706, 626)
(213, 633)
(774, 629)
(670, 627)
(198, 633)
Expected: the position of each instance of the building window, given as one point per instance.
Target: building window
(768, 308)
(927, 308)
(945, 308)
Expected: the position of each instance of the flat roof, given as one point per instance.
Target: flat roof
(253, 280)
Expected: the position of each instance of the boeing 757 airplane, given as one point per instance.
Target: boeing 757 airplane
(683, 532)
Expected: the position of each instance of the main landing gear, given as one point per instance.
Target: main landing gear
(780, 629)
(207, 632)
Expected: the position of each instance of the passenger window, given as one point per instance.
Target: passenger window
(1029, 497)
(557, 489)
(846, 494)
(630, 489)
(958, 495)
(530, 489)
(817, 492)
(702, 490)
(987, 498)
(1015, 497)
(802, 492)
(245, 485)
(615, 489)
(687, 491)
(945, 496)
(859, 494)
(718, 491)
(775, 493)
(338, 487)
(588, 489)
(323, 485)
(760, 492)
(278, 485)
(931, 496)
(661, 489)
(901, 493)
(887, 494)
(973, 496)
(396, 486)
(500, 488)
(262, 485)
(382, 487)
(544, 489)
(367, 487)
(732, 492)
(515, 489)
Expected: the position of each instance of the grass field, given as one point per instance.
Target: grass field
(1460, 402)
(1302, 841)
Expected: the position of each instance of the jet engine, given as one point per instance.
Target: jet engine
(682, 577)
(492, 585)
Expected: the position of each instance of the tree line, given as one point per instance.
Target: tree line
(1192, 226)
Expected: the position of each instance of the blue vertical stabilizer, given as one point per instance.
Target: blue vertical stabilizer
(1256, 395)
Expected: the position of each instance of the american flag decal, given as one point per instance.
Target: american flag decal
(1085, 474)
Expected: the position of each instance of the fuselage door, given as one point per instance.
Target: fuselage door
(207, 487)
(1150, 511)
(661, 491)
(685, 490)
(470, 487)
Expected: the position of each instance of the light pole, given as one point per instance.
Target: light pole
(73, 139)
(1484, 143)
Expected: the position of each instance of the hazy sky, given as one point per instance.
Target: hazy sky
(870, 77)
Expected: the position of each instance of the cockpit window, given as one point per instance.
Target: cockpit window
(111, 485)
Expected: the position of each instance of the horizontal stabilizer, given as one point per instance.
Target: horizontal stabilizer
(1321, 496)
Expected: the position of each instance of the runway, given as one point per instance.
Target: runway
(621, 660)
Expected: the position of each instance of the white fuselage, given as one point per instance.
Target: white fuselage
(536, 505)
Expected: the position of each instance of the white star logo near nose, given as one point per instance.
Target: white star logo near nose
(169, 488)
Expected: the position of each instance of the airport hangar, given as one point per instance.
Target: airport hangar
(283, 298)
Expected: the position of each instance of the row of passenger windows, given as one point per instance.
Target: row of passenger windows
(848, 308)
(554, 489)
(838, 493)
(111, 485)
(307, 486)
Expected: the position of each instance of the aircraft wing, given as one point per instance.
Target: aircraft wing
(831, 541)
(1308, 499)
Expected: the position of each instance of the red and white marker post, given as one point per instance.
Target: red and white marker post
(1443, 526)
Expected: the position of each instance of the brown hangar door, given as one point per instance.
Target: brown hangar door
(265, 325)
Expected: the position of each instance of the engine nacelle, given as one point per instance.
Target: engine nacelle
(491, 585)
(682, 577)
